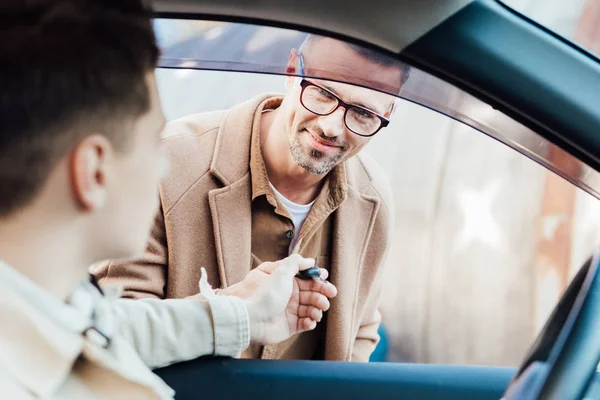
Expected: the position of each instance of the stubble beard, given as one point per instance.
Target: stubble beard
(314, 161)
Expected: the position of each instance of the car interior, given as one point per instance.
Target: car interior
(512, 82)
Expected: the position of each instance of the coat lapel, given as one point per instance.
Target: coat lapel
(232, 223)
(349, 244)
(230, 206)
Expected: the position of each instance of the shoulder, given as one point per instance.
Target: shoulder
(188, 145)
(191, 134)
(193, 125)
(367, 177)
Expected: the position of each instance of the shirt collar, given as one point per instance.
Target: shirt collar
(335, 186)
(258, 170)
(44, 337)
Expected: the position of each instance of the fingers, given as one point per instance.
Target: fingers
(268, 267)
(303, 263)
(315, 285)
(282, 281)
(314, 299)
(306, 324)
(297, 263)
(324, 274)
(310, 312)
(294, 263)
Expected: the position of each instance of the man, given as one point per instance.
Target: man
(279, 175)
(80, 121)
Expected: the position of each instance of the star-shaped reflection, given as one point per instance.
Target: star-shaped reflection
(479, 223)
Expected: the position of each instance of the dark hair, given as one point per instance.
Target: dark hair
(67, 68)
(370, 54)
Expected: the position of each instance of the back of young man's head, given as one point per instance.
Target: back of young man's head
(80, 117)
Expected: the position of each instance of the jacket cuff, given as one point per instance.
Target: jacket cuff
(231, 325)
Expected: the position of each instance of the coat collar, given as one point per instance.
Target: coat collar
(231, 156)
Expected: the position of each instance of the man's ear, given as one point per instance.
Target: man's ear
(88, 171)
(291, 68)
(388, 114)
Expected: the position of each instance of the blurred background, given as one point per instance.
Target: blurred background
(485, 238)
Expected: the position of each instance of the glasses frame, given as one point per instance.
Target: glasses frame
(304, 83)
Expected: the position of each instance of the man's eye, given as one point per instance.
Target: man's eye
(364, 113)
(324, 93)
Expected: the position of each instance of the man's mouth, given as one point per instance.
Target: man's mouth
(320, 144)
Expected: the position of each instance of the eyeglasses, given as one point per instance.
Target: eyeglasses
(320, 101)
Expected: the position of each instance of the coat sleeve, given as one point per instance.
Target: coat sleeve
(164, 332)
(144, 277)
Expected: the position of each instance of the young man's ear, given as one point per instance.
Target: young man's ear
(88, 170)
(291, 68)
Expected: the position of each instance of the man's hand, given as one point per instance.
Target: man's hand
(280, 305)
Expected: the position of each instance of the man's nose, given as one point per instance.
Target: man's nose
(333, 125)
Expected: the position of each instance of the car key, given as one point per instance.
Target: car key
(311, 273)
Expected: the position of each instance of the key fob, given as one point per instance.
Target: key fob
(312, 273)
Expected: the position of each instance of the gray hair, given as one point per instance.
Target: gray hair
(370, 54)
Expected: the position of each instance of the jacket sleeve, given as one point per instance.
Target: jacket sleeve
(144, 277)
(164, 332)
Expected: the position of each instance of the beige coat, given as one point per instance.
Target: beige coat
(205, 221)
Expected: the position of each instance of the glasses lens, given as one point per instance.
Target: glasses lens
(362, 121)
(318, 101)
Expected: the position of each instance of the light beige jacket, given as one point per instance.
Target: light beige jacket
(44, 355)
(206, 221)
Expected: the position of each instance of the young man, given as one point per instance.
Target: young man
(281, 175)
(80, 122)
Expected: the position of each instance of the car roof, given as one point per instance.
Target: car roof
(482, 47)
(388, 24)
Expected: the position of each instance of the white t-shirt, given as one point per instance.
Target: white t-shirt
(298, 212)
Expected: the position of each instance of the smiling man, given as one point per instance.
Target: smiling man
(281, 175)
